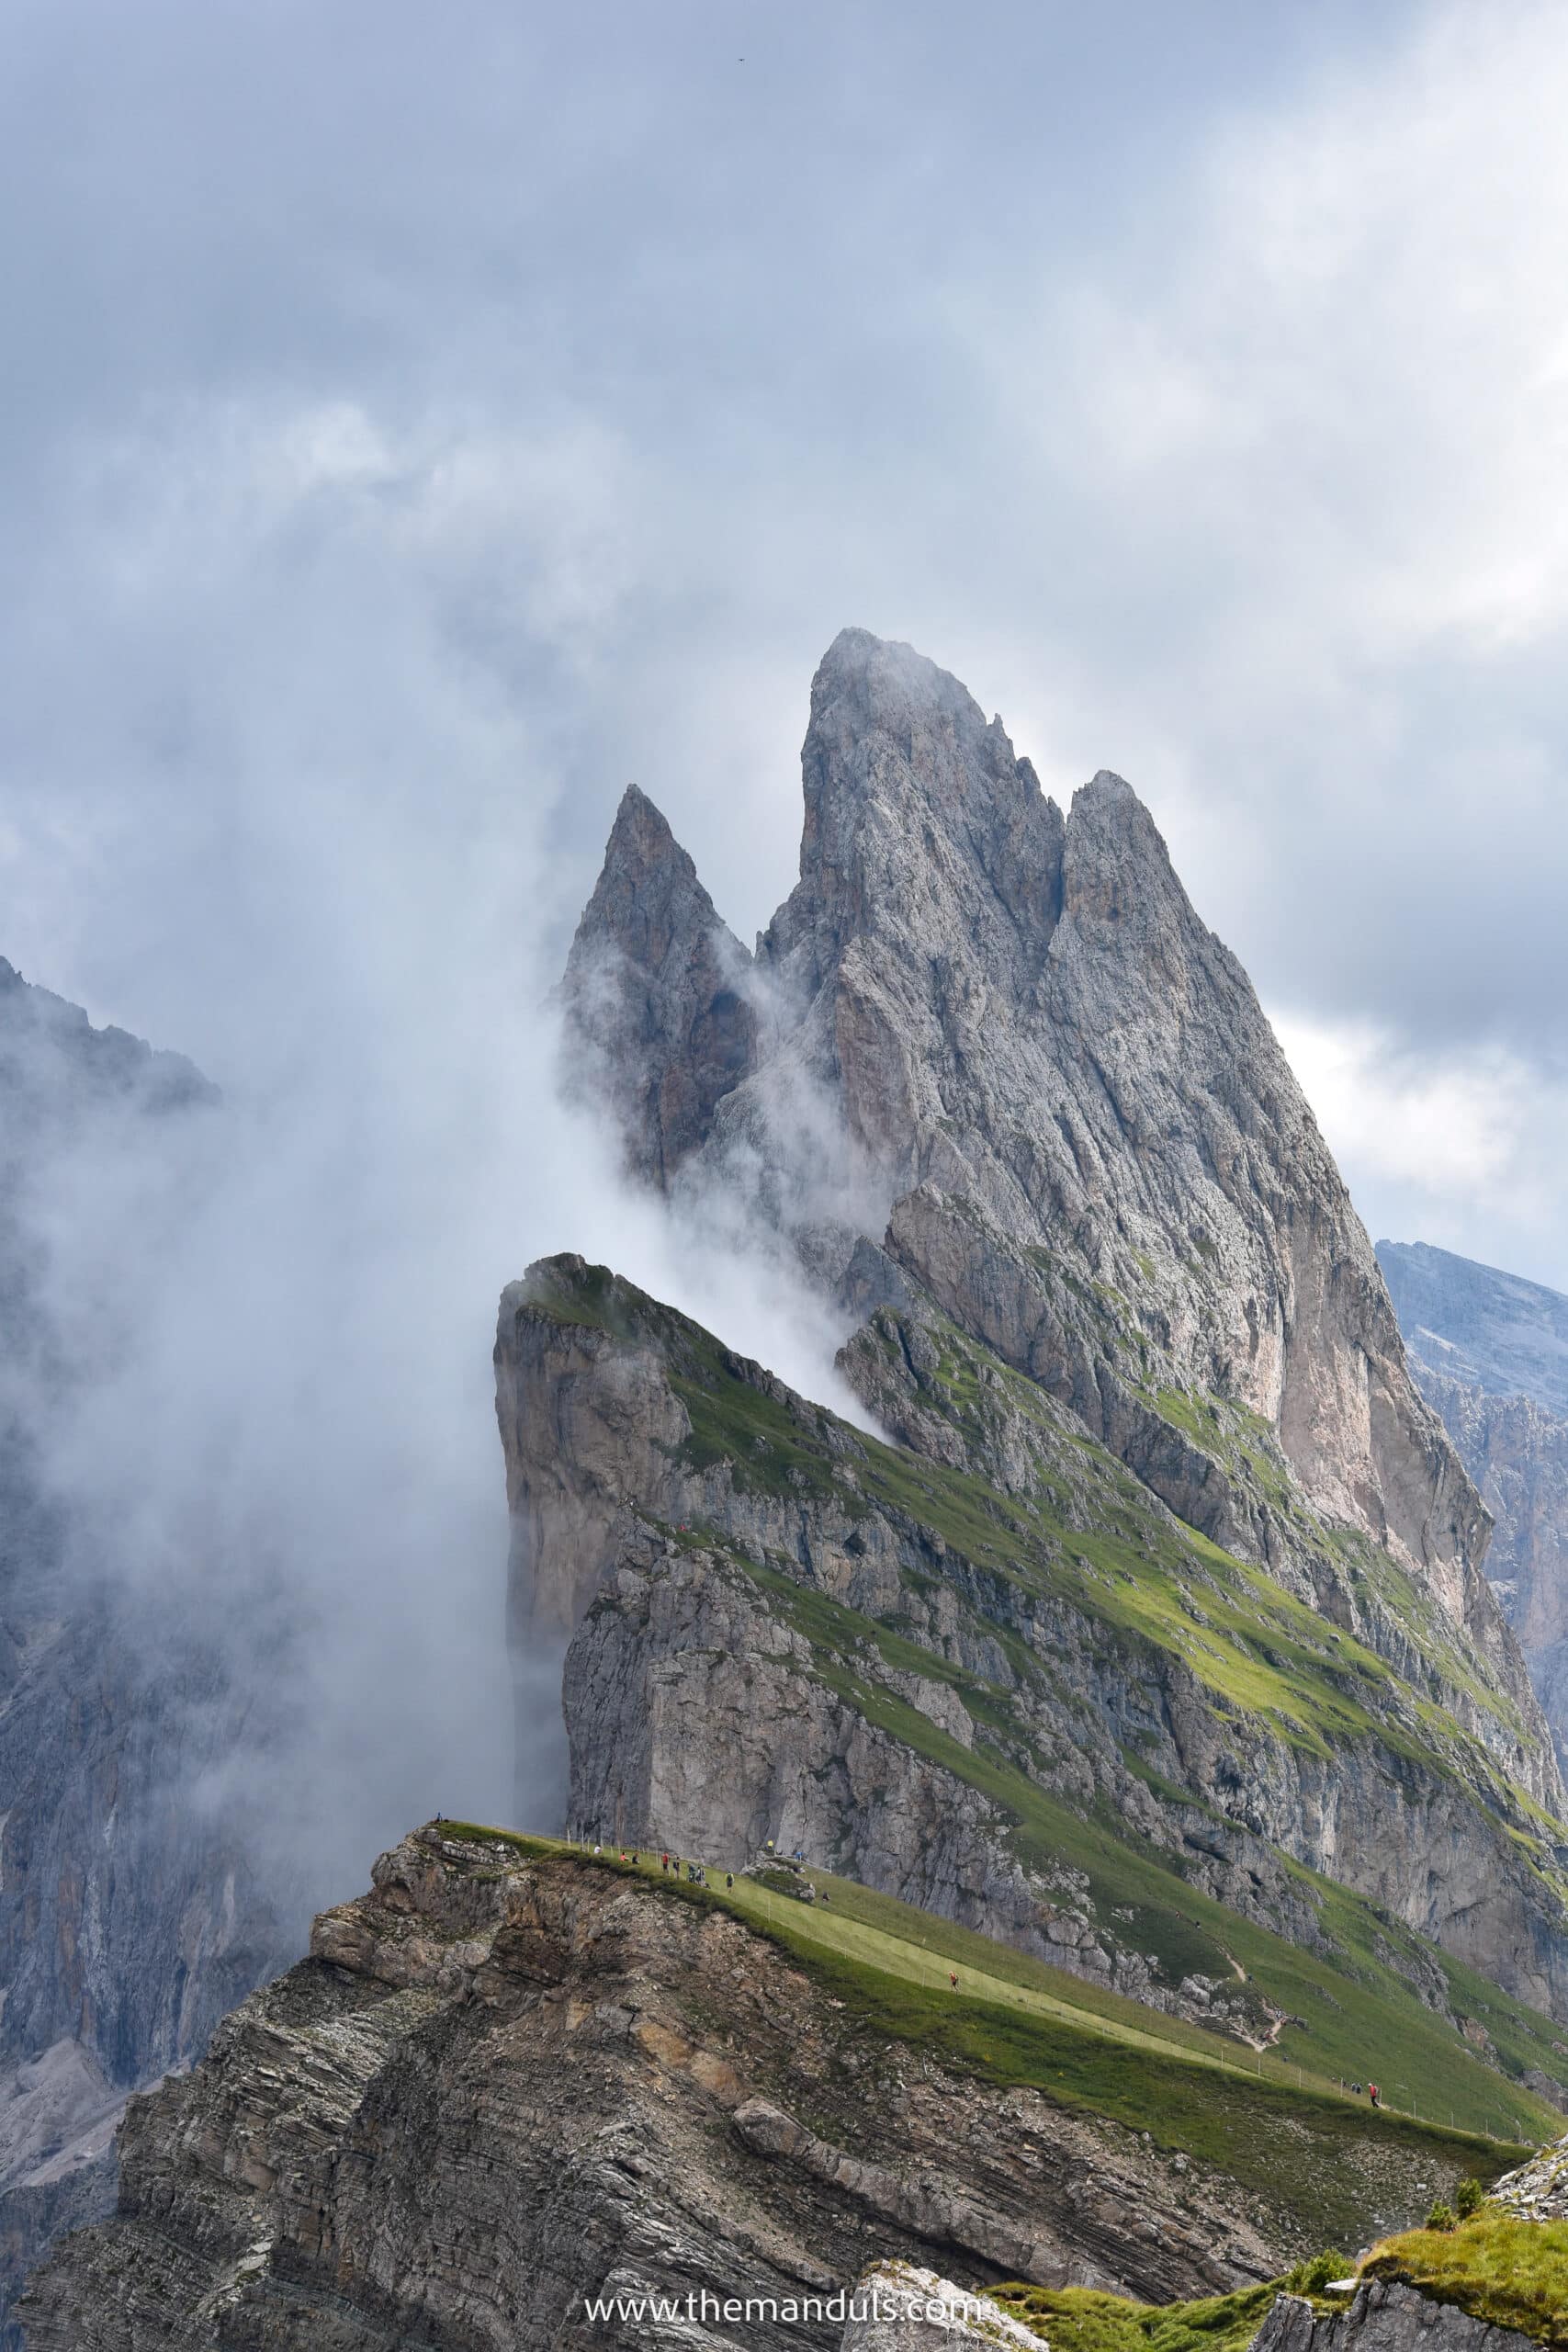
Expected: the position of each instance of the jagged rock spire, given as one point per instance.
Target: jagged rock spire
(657, 1017)
(1024, 1031)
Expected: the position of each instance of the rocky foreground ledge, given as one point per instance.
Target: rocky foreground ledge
(519, 2097)
(505, 2081)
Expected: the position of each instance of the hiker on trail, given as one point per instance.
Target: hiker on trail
(1373, 2093)
(1356, 2088)
(729, 1882)
(663, 1861)
(635, 1864)
(825, 1896)
(953, 1978)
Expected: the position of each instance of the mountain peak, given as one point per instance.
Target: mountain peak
(1007, 1018)
(656, 1018)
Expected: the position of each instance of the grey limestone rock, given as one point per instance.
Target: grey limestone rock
(1016, 1018)
(1384, 2315)
(1476, 1324)
(674, 1507)
(655, 996)
(899, 2307)
(1490, 1354)
(500, 2085)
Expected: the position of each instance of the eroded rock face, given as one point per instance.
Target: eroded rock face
(899, 2307)
(1383, 2316)
(1021, 1013)
(1536, 2191)
(1478, 1325)
(499, 2086)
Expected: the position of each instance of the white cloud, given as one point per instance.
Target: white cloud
(1463, 1148)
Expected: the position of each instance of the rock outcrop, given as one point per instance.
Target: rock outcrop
(1385, 2316)
(1536, 2191)
(502, 2085)
(897, 2307)
(655, 996)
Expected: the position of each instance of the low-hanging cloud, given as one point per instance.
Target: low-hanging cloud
(277, 1438)
(417, 439)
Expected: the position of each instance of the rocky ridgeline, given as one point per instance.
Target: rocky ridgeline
(501, 2083)
(1017, 1018)
(723, 1553)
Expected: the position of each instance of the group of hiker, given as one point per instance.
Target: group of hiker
(671, 1866)
(1371, 2090)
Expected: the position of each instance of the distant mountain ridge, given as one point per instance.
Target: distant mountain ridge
(1490, 1352)
(1494, 1330)
(129, 1921)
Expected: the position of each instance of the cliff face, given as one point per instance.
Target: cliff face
(128, 1920)
(1490, 1352)
(1022, 1013)
(504, 2082)
(786, 1628)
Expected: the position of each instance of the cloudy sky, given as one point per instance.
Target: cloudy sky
(421, 421)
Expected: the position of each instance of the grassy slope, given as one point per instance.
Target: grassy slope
(1091, 1536)
(1513, 2274)
(1016, 2020)
(1360, 2020)
(1073, 2319)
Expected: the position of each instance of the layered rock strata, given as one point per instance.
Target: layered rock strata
(502, 2085)
(1383, 2316)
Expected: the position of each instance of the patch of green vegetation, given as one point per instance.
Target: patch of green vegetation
(1088, 1535)
(1358, 2018)
(1513, 2273)
(1302, 2149)
(1075, 2319)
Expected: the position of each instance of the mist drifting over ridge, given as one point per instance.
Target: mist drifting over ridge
(274, 1438)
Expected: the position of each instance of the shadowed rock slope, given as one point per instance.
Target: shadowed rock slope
(129, 1920)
